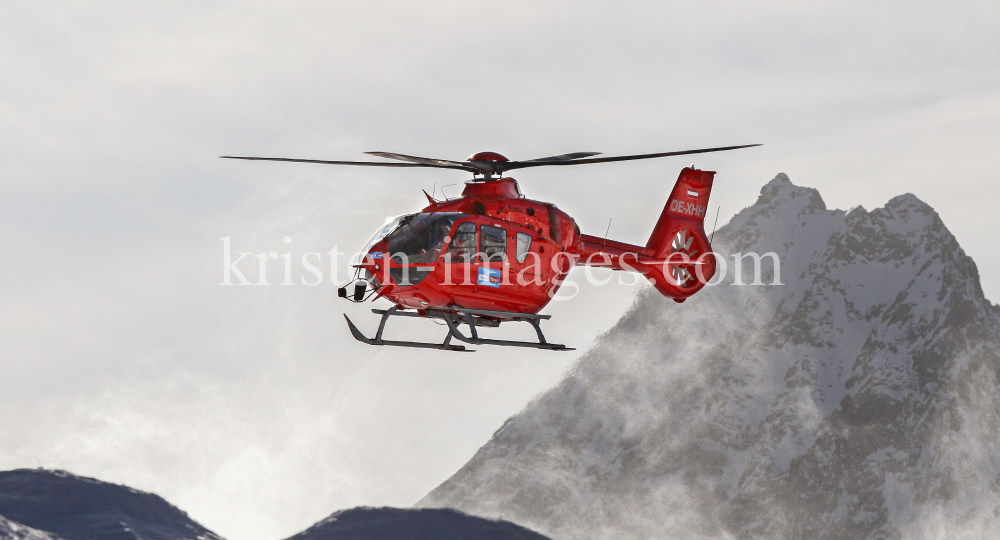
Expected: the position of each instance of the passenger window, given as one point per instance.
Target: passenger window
(523, 246)
(463, 245)
(494, 243)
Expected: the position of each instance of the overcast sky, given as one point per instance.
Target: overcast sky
(251, 407)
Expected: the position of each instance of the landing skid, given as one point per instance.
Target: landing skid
(474, 318)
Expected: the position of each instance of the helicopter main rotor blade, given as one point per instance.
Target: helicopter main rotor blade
(561, 157)
(360, 163)
(430, 162)
(534, 163)
(490, 168)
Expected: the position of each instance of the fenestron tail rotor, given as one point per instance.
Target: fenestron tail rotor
(682, 243)
(490, 164)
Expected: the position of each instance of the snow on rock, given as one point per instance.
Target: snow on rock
(859, 399)
(12, 530)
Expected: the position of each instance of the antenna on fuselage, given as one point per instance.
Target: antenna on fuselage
(716, 223)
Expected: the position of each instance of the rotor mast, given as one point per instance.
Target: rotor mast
(487, 165)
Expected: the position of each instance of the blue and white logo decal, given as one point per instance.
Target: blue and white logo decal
(489, 276)
(377, 254)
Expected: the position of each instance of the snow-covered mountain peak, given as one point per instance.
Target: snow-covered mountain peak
(851, 401)
(774, 220)
(780, 179)
(781, 190)
(909, 202)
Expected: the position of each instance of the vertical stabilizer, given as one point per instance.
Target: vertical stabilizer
(687, 206)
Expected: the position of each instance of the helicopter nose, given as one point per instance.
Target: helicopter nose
(369, 264)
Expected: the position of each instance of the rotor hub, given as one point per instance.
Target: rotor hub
(487, 156)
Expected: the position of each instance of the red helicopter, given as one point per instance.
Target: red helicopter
(493, 256)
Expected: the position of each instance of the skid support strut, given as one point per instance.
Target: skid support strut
(453, 318)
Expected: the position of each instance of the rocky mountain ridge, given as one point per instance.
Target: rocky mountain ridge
(859, 399)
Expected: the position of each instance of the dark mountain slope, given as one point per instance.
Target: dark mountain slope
(411, 524)
(78, 508)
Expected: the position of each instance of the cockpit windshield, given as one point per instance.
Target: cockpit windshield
(419, 238)
(383, 232)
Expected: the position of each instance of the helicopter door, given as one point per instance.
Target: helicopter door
(525, 270)
(493, 250)
(461, 253)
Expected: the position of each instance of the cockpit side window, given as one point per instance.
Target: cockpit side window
(463, 244)
(494, 243)
(523, 246)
